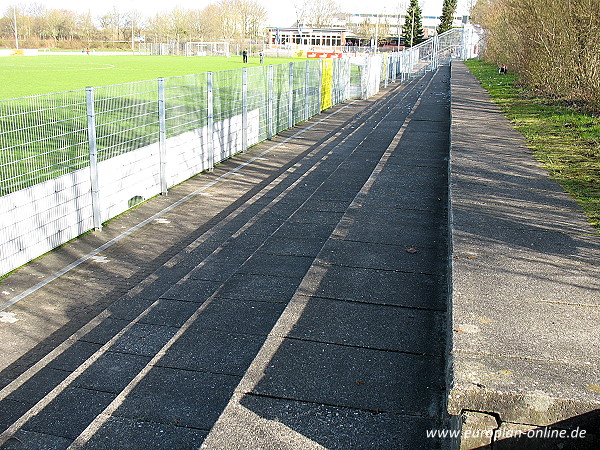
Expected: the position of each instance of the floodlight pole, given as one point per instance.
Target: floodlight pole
(398, 28)
(132, 24)
(15, 25)
(412, 27)
(377, 33)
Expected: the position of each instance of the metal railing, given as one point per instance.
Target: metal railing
(72, 160)
(45, 136)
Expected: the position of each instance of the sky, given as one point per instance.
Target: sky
(280, 13)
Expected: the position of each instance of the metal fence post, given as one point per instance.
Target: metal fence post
(306, 86)
(464, 52)
(291, 97)
(402, 64)
(434, 56)
(162, 139)
(336, 81)
(244, 109)
(387, 71)
(91, 116)
(320, 84)
(210, 121)
(270, 102)
(366, 79)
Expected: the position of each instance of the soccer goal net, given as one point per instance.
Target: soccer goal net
(206, 49)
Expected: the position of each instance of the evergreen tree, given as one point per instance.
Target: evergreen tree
(413, 25)
(448, 10)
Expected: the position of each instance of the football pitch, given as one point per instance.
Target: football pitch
(31, 75)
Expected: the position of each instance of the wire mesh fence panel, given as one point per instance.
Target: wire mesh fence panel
(41, 137)
(185, 104)
(126, 117)
(299, 92)
(340, 77)
(314, 87)
(227, 93)
(258, 87)
(227, 101)
(356, 76)
(127, 133)
(281, 94)
(186, 152)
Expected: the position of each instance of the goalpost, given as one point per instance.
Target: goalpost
(207, 49)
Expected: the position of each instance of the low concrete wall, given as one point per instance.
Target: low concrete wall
(37, 219)
(526, 309)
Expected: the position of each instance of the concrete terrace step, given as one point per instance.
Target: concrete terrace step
(300, 302)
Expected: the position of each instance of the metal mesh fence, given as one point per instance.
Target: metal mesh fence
(41, 137)
(126, 117)
(227, 94)
(258, 78)
(45, 136)
(185, 103)
(299, 92)
(281, 97)
(341, 80)
(457, 43)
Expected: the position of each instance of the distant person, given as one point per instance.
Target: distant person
(262, 57)
(503, 70)
(245, 56)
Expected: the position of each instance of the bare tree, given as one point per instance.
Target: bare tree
(316, 13)
(554, 45)
(224, 19)
(86, 28)
(242, 19)
(213, 28)
(172, 26)
(112, 23)
(324, 12)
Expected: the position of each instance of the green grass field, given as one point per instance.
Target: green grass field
(45, 136)
(565, 140)
(31, 75)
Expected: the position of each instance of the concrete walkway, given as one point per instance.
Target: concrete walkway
(299, 297)
(296, 297)
(525, 296)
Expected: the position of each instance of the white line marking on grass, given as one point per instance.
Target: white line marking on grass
(51, 69)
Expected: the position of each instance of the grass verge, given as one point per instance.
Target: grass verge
(564, 139)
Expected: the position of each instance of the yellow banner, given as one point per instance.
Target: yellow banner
(326, 85)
